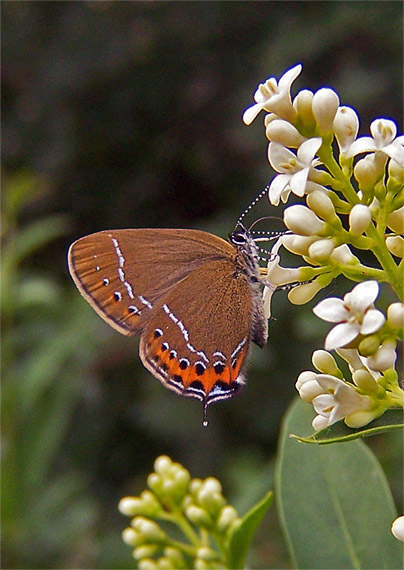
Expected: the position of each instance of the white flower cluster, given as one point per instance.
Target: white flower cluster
(351, 204)
(348, 205)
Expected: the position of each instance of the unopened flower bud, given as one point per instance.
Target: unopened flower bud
(321, 249)
(364, 380)
(210, 497)
(359, 419)
(145, 551)
(395, 245)
(384, 358)
(175, 556)
(228, 515)
(345, 127)
(359, 219)
(303, 293)
(321, 204)
(195, 486)
(149, 529)
(366, 172)
(395, 220)
(285, 133)
(298, 244)
(164, 563)
(198, 516)
(325, 104)
(396, 171)
(344, 255)
(325, 363)
(147, 505)
(303, 105)
(162, 465)
(155, 483)
(131, 537)
(206, 553)
(147, 564)
(397, 528)
(369, 345)
(395, 315)
(300, 220)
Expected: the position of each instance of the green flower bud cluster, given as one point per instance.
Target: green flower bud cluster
(197, 507)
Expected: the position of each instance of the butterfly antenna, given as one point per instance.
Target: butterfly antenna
(253, 203)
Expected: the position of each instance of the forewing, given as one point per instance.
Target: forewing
(122, 273)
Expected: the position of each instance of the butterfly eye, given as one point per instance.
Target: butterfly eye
(238, 238)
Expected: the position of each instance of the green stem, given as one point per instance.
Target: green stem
(177, 518)
(327, 158)
(392, 273)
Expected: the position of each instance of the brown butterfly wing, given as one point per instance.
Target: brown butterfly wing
(198, 334)
(121, 273)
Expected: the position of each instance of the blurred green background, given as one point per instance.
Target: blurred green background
(128, 114)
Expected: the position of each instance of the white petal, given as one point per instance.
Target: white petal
(341, 335)
(298, 182)
(372, 321)
(267, 298)
(396, 152)
(307, 150)
(287, 78)
(319, 422)
(250, 113)
(305, 376)
(362, 296)
(310, 390)
(331, 310)
(363, 144)
(329, 382)
(351, 355)
(278, 185)
(323, 404)
(279, 156)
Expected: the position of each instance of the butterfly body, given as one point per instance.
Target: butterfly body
(193, 297)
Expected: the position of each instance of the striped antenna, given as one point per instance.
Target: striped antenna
(253, 203)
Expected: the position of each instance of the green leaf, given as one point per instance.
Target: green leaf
(334, 502)
(391, 420)
(242, 535)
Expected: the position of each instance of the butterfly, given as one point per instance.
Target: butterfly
(194, 298)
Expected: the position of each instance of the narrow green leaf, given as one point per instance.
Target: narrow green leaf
(391, 420)
(334, 502)
(242, 535)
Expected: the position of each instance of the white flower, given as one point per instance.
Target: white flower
(383, 140)
(332, 398)
(397, 528)
(294, 169)
(274, 97)
(338, 400)
(355, 312)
